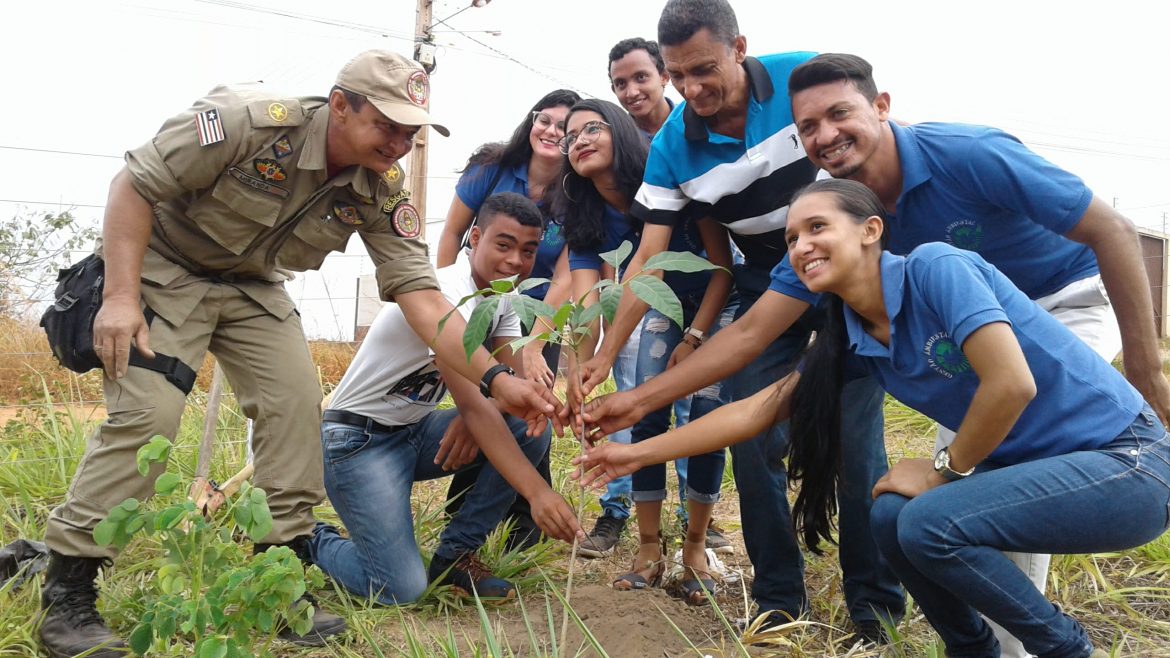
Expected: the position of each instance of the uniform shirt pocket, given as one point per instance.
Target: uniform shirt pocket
(234, 214)
(312, 240)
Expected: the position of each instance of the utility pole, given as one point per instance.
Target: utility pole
(418, 155)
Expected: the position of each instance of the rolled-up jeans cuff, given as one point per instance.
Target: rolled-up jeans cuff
(702, 498)
(648, 496)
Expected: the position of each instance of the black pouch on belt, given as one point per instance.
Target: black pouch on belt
(68, 323)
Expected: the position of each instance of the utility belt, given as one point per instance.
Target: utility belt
(68, 324)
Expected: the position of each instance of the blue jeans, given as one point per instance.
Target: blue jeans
(368, 476)
(870, 587)
(616, 501)
(660, 335)
(947, 544)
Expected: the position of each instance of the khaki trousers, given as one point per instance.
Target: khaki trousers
(265, 359)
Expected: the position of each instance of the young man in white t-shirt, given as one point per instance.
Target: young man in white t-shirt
(381, 433)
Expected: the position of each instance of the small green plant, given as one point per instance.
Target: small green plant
(572, 323)
(209, 592)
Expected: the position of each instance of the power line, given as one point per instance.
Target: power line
(59, 152)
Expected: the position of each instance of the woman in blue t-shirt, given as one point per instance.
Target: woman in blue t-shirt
(1055, 451)
(529, 163)
(604, 163)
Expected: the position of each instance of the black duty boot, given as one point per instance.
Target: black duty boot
(70, 623)
(325, 625)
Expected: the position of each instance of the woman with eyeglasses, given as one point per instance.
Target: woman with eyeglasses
(1055, 452)
(528, 164)
(605, 157)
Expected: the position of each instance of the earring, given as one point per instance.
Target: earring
(565, 188)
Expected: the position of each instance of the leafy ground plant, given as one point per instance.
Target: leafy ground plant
(208, 592)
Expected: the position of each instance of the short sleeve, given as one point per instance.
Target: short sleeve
(191, 149)
(1012, 176)
(959, 292)
(472, 188)
(660, 199)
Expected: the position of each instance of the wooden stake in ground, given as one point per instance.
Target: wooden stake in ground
(201, 489)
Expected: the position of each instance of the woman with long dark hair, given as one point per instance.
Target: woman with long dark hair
(605, 160)
(1055, 451)
(529, 163)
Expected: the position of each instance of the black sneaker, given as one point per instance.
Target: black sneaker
(467, 575)
(603, 538)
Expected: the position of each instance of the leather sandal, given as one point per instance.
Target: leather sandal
(695, 587)
(635, 580)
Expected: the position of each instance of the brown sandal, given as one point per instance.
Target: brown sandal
(695, 588)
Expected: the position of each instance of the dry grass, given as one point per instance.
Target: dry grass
(1121, 598)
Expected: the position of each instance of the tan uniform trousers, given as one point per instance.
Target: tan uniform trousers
(266, 361)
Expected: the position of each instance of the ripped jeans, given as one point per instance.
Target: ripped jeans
(660, 336)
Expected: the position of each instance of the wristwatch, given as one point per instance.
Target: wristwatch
(942, 465)
(485, 382)
(694, 333)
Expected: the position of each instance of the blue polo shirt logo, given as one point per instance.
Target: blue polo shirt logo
(945, 357)
(965, 234)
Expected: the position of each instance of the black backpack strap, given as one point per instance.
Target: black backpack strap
(176, 372)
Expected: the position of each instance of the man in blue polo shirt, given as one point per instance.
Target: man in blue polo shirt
(980, 189)
(731, 153)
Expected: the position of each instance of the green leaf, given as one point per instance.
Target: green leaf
(519, 343)
(590, 314)
(211, 647)
(618, 256)
(527, 308)
(610, 298)
(168, 518)
(678, 261)
(261, 522)
(529, 284)
(479, 324)
(562, 314)
(140, 638)
(658, 295)
(104, 531)
(502, 286)
(166, 483)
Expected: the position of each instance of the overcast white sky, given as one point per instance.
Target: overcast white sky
(1084, 83)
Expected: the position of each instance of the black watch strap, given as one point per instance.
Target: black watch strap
(485, 383)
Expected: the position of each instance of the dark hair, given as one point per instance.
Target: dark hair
(518, 150)
(517, 206)
(626, 46)
(355, 100)
(576, 200)
(815, 429)
(834, 67)
(681, 19)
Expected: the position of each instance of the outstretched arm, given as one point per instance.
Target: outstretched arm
(726, 353)
(491, 433)
(725, 426)
(1114, 241)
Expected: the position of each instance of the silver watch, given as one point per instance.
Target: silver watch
(691, 331)
(942, 465)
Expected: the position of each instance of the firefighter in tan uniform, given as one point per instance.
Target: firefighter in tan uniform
(202, 227)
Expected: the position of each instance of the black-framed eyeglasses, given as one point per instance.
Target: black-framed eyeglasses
(587, 135)
(545, 121)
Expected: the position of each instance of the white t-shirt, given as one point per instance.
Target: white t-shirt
(393, 378)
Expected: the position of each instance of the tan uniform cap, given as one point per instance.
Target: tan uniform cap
(397, 86)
